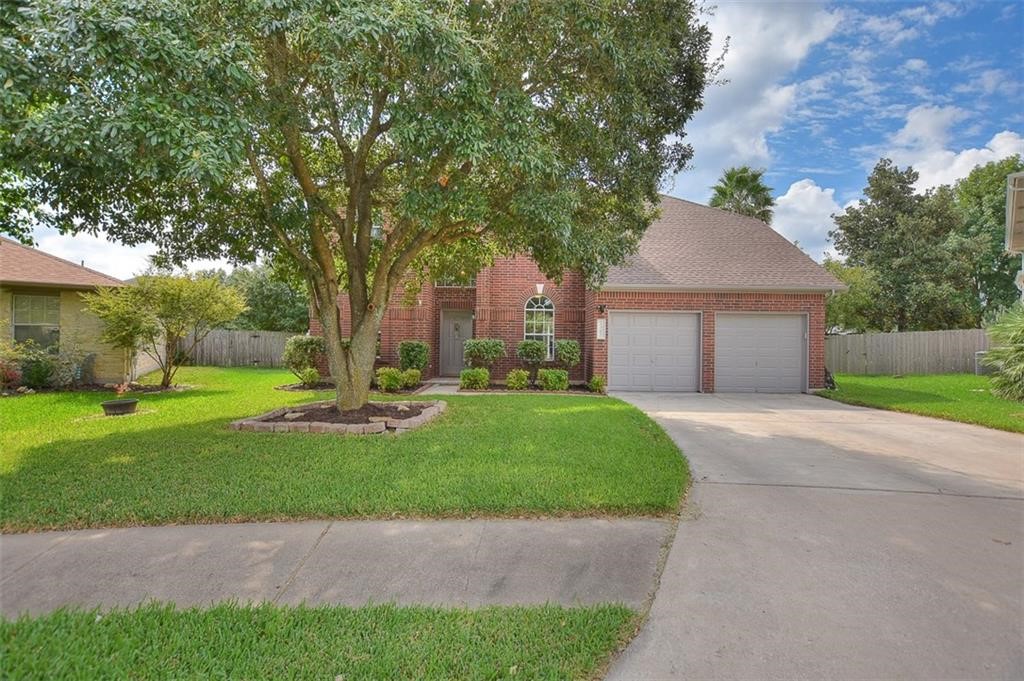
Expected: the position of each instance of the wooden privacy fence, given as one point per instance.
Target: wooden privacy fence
(240, 347)
(907, 352)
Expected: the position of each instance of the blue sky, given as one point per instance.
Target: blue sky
(816, 92)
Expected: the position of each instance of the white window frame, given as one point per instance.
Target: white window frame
(45, 324)
(540, 304)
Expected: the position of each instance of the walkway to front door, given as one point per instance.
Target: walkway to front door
(456, 328)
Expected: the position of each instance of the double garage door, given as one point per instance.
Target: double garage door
(660, 351)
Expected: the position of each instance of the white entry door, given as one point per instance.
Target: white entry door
(654, 351)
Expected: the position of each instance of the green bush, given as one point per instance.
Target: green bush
(309, 377)
(567, 352)
(483, 352)
(37, 365)
(553, 379)
(411, 378)
(532, 353)
(478, 378)
(1007, 354)
(517, 379)
(301, 352)
(389, 379)
(413, 355)
(597, 384)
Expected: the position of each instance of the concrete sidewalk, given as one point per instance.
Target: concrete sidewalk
(450, 563)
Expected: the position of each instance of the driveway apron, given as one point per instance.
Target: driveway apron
(825, 541)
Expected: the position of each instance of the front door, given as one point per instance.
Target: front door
(456, 329)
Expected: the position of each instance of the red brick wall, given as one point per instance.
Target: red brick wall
(811, 304)
(501, 295)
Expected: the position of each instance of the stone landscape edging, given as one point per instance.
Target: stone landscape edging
(378, 424)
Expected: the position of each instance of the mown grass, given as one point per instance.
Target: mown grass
(269, 642)
(62, 465)
(955, 397)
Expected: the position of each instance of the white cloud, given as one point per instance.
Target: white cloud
(768, 43)
(926, 142)
(108, 257)
(804, 214)
(916, 66)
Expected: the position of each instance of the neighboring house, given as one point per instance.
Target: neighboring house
(713, 301)
(41, 301)
(1015, 222)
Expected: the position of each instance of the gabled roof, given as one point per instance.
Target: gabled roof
(24, 266)
(694, 247)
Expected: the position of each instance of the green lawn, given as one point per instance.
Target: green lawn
(269, 642)
(62, 465)
(956, 397)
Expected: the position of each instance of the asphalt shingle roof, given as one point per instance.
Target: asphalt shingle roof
(694, 247)
(21, 265)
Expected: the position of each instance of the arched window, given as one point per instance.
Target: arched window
(540, 322)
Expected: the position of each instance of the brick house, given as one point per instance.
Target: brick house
(711, 301)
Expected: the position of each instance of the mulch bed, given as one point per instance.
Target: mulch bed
(378, 410)
(498, 388)
(328, 385)
(135, 389)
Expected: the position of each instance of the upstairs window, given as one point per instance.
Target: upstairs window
(540, 322)
(37, 318)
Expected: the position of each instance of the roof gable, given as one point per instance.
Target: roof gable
(694, 247)
(22, 265)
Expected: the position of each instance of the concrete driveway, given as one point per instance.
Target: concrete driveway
(825, 541)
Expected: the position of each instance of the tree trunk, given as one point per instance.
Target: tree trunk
(351, 362)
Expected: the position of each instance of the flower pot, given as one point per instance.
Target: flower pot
(119, 407)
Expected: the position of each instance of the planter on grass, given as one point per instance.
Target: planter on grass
(119, 407)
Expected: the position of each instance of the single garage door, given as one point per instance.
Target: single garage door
(654, 351)
(760, 353)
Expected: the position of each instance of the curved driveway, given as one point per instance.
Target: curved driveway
(825, 541)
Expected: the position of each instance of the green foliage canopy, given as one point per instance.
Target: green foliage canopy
(355, 138)
(742, 190)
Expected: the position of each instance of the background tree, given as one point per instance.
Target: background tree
(168, 316)
(272, 302)
(355, 138)
(742, 190)
(854, 309)
(909, 242)
(981, 199)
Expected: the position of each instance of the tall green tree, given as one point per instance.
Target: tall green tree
(909, 242)
(355, 137)
(272, 302)
(856, 308)
(981, 199)
(742, 190)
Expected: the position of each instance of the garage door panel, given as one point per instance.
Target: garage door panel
(653, 351)
(760, 353)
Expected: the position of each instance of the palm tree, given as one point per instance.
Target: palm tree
(741, 190)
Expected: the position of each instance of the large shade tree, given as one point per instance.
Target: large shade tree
(742, 190)
(360, 138)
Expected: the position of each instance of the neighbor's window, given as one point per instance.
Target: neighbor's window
(540, 322)
(37, 318)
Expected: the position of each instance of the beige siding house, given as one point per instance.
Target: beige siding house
(41, 300)
(1015, 222)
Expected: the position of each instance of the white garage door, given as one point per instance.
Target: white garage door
(760, 353)
(654, 351)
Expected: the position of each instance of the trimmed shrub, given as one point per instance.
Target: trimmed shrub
(301, 352)
(411, 378)
(37, 370)
(10, 374)
(413, 355)
(517, 379)
(553, 379)
(483, 352)
(478, 378)
(567, 352)
(389, 379)
(597, 384)
(1007, 354)
(309, 377)
(532, 353)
